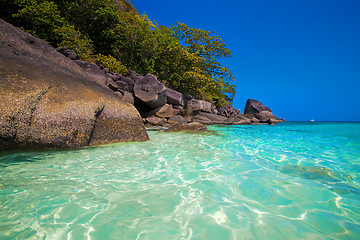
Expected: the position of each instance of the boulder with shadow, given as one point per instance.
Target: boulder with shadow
(48, 100)
(253, 107)
(150, 91)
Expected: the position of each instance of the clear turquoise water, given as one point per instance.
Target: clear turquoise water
(290, 181)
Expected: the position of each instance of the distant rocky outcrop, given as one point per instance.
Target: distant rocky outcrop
(253, 107)
(48, 100)
(259, 111)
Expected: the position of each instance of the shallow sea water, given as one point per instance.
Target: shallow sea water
(290, 181)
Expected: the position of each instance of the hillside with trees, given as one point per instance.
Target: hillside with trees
(112, 34)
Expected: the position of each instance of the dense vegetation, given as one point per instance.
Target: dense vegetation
(112, 34)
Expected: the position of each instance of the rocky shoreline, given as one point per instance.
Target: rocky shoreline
(162, 106)
(50, 99)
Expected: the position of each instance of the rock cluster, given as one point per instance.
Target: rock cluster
(49, 98)
(259, 111)
(162, 106)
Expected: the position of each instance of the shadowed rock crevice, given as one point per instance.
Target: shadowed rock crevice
(33, 101)
(98, 111)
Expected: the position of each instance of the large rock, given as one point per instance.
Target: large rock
(48, 100)
(194, 106)
(193, 127)
(149, 90)
(174, 97)
(253, 107)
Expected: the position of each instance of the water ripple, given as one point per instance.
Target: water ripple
(291, 181)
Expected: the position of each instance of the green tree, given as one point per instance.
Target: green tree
(40, 18)
(112, 34)
(209, 71)
(96, 19)
(75, 40)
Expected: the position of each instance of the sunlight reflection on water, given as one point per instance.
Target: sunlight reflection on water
(291, 181)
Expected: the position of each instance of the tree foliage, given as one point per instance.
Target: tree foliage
(112, 34)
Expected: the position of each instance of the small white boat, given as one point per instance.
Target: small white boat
(312, 120)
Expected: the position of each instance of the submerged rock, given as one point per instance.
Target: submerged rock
(47, 100)
(315, 172)
(338, 182)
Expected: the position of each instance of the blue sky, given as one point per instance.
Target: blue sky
(301, 58)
